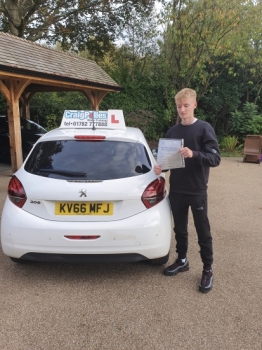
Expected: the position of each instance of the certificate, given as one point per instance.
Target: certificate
(168, 155)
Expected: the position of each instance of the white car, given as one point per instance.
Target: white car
(87, 192)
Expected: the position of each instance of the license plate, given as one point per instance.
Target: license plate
(83, 208)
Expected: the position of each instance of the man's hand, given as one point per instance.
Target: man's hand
(157, 169)
(186, 152)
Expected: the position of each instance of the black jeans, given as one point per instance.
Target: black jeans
(180, 204)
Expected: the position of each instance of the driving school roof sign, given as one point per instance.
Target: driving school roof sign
(78, 119)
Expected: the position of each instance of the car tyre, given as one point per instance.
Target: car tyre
(160, 261)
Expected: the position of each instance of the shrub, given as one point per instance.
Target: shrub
(246, 122)
(145, 121)
(51, 122)
(229, 143)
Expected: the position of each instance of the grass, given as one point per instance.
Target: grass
(235, 153)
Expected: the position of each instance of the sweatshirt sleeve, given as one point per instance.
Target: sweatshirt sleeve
(210, 154)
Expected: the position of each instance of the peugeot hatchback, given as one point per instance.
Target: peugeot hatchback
(87, 192)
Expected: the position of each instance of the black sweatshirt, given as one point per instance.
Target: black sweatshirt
(201, 139)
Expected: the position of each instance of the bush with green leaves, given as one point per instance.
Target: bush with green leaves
(246, 122)
(142, 103)
(228, 143)
(145, 121)
(47, 108)
(51, 122)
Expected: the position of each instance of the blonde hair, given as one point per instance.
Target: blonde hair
(185, 93)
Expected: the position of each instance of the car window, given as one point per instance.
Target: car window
(3, 125)
(26, 125)
(29, 126)
(88, 160)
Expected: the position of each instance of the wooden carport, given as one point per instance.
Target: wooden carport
(27, 68)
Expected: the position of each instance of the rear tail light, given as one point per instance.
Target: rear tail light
(154, 193)
(89, 137)
(16, 192)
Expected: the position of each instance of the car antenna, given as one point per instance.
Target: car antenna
(93, 114)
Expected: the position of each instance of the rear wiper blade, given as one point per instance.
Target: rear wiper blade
(62, 172)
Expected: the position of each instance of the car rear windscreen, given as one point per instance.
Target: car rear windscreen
(88, 160)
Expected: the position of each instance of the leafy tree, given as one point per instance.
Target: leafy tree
(196, 31)
(76, 24)
(139, 39)
(248, 56)
(132, 65)
(47, 108)
(222, 98)
(203, 41)
(141, 98)
(145, 121)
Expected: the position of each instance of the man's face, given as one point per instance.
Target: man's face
(185, 108)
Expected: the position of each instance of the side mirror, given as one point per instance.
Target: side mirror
(154, 151)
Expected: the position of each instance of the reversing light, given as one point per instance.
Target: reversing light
(82, 237)
(154, 193)
(16, 192)
(89, 137)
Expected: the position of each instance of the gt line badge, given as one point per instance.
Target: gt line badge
(82, 193)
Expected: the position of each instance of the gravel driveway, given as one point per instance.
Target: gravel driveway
(134, 306)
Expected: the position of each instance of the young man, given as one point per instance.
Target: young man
(188, 185)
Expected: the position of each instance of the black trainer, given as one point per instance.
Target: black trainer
(177, 267)
(206, 282)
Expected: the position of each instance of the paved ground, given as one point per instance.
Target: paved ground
(133, 306)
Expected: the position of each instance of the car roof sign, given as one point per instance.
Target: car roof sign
(79, 119)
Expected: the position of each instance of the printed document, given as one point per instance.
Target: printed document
(168, 156)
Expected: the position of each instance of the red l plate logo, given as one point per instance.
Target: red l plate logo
(113, 119)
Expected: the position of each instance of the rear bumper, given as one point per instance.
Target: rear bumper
(83, 258)
(143, 236)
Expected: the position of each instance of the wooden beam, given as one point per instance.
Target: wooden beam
(34, 88)
(101, 95)
(95, 97)
(95, 105)
(89, 95)
(55, 82)
(25, 99)
(20, 87)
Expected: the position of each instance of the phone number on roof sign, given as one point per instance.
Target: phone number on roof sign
(85, 123)
(85, 115)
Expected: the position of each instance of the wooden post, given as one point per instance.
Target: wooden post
(13, 114)
(15, 89)
(26, 97)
